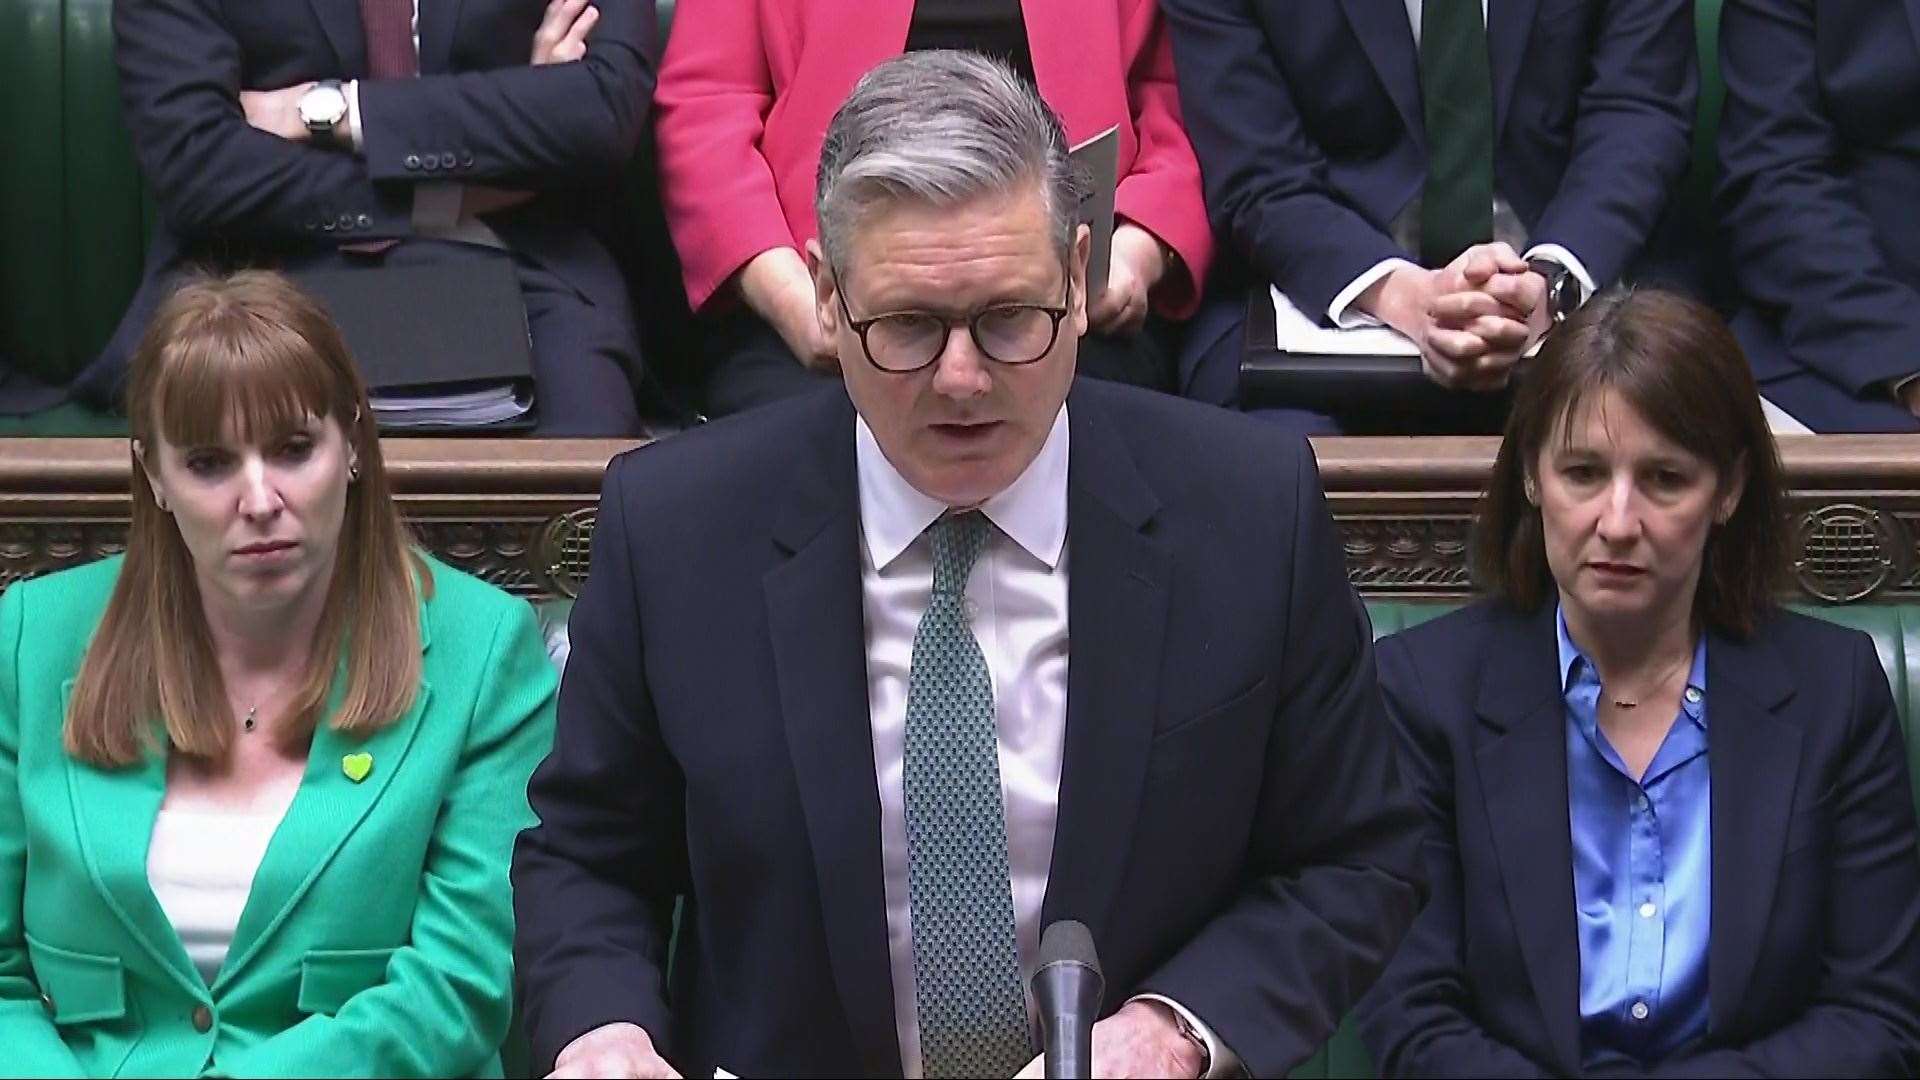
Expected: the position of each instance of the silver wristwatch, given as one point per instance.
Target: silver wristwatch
(323, 109)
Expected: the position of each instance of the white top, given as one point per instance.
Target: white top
(201, 864)
(1016, 601)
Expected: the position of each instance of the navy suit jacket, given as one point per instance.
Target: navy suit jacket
(1231, 827)
(1307, 119)
(1820, 178)
(478, 114)
(1814, 964)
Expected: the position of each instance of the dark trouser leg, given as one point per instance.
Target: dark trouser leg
(1828, 408)
(582, 356)
(748, 365)
(1144, 359)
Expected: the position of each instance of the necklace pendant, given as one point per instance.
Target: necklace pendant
(247, 724)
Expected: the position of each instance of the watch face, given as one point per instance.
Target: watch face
(323, 105)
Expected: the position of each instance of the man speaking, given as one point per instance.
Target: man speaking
(877, 684)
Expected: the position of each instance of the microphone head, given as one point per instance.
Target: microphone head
(1068, 942)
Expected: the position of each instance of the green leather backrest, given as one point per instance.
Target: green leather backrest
(74, 216)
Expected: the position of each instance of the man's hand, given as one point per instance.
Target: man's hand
(1141, 1040)
(1471, 320)
(1135, 268)
(277, 112)
(562, 35)
(623, 1051)
(777, 286)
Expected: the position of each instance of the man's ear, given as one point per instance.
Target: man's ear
(825, 286)
(1077, 268)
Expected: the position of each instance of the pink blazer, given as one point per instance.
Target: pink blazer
(748, 86)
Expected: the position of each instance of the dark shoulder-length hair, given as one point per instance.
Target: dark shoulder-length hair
(1676, 362)
(246, 356)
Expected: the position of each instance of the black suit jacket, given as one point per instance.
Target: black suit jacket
(229, 194)
(1820, 177)
(1307, 119)
(1231, 827)
(1814, 964)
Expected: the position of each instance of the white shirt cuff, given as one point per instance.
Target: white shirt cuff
(352, 90)
(1570, 261)
(1221, 1060)
(1340, 310)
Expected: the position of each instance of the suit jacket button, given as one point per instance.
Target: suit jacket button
(412, 161)
(466, 161)
(202, 1019)
(48, 1002)
(327, 226)
(448, 160)
(346, 222)
(364, 221)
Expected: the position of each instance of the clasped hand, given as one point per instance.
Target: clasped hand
(1472, 320)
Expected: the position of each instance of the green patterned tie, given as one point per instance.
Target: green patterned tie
(1456, 83)
(966, 963)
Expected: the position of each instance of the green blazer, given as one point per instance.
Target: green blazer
(377, 937)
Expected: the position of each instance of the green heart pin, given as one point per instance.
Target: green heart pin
(357, 766)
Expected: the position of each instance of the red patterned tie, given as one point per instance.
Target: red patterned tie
(389, 27)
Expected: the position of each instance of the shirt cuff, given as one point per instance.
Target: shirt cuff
(1221, 1060)
(1340, 310)
(1567, 259)
(352, 91)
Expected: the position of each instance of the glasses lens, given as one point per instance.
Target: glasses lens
(904, 342)
(1014, 334)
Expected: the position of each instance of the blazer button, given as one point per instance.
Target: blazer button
(448, 161)
(412, 161)
(346, 222)
(202, 1019)
(364, 221)
(48, 1003)
(466, 161)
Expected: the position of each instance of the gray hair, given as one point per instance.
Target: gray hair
(942, 127)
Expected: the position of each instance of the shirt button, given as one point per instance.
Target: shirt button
(202, 1019)
(1693, 694)
(1639, 1010)
(1647, 909)
(1640, 802)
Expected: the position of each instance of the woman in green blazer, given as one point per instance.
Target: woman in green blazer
(260, 777)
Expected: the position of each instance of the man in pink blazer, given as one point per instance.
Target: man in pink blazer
(747, 89)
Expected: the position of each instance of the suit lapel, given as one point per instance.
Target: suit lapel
(1509, 26)
(1387, 37)
(326, 810)
(813, 603)
(1116, 617)
(1753, 762)
(341, 21)
(1523, 780)
(438, 18)
(113, 814)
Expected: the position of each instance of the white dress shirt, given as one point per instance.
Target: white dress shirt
(1341, 311)
(1016, 602)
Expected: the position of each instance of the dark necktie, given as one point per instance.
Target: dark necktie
(389, 28)
(966, 961)
(1456, 83)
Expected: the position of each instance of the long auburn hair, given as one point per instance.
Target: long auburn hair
(247, 357)
(1676, 362)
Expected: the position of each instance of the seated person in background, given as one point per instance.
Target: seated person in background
(1819, 188)
(260, 776)
(475, 131)
(1354, 149)
(1673, 829)
(875, 683)
(746, 91)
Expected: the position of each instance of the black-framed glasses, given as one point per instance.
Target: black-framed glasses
(903, 342)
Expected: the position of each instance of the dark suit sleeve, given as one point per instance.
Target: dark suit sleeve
(1865, 1016)
(557, 125)
(1632, 136)
(1264, 177)
(180, 69)
(1332, 876)
(594, 883)
(1417, 1020)
(1802, 248)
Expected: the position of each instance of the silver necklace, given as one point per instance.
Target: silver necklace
(247, 724)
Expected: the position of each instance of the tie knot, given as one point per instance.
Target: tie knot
(957, 540)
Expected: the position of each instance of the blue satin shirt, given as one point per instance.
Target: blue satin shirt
(1642, 878)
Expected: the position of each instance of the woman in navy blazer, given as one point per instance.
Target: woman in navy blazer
(1672, 825)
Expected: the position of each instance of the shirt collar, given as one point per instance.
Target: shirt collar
(1031, 511)
(1574, 666)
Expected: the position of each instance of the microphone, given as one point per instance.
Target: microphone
(1068, 986)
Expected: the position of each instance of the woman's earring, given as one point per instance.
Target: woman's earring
(1532, 493)
(161, 502)
(353, 471)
